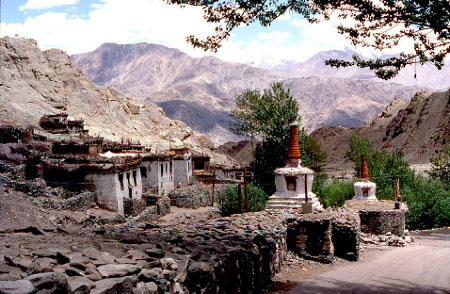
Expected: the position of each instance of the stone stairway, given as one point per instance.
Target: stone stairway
(290, 202)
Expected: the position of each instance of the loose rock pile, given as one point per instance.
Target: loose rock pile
(236, 254)
(193, 196)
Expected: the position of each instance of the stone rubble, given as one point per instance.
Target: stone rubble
(236, 254)
(192, 196)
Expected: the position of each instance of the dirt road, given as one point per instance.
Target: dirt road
(422, 268)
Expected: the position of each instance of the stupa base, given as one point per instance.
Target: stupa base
(278, 202)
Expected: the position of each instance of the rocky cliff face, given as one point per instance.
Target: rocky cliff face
(419, 129)
(35, 83)
(201, 91)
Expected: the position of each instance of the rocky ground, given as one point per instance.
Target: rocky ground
(43, 248)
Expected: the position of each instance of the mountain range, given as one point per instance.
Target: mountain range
(201, 91)
(34, 83)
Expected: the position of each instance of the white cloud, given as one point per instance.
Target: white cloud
(117, 21)
(154, 21)
(276, 36)
(41, 4)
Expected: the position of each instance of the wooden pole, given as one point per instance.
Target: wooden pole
(245, 190)
(213, 187)
(306, 188)
(239, 199)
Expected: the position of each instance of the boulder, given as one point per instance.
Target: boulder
(117, 270)
(114, 286)
(17, 287)
(52, 282)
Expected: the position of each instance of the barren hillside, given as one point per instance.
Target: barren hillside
(34, 83)
(419, 129)
(201, 91)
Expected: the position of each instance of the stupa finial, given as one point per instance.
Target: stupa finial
(364, 170)
(293, 147)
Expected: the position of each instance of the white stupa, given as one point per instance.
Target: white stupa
(365, 189)
(293, 182)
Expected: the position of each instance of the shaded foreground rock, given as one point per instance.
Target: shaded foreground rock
(236, 254)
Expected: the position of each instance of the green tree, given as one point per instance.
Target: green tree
(428, 204)
(384, 167)
(377, 24)
(440, 166)
(267, 114)
(315, 154)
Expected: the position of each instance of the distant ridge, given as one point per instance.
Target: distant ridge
(201, 91)
(419, 129)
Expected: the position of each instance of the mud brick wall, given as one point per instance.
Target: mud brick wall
(379, 222)
(311, 238)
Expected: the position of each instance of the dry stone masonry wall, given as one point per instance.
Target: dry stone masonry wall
(239, 254)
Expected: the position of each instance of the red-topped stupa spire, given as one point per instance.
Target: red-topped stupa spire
(364, 171)
(293, 147)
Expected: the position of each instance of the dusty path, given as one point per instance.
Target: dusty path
(422, 268)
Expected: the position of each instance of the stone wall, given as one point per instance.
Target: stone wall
(324, 235)
(381, 222)
(346, 234)
(311, 238)
(193, 196)
(238, 254)
(133, 206)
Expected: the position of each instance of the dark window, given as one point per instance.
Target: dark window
(365, 192)
(121, 181)
(171, 167)
(143, 171)
(199, 165)
(291, 183)
(162, 169)
(135, 176)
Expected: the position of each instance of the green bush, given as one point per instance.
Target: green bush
(228, 199)
(440, 166)
(428, 203)
(335, 193)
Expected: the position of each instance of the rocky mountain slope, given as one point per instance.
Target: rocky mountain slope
(425, 75)
(200, 91)
(419, 129)
(34, 83)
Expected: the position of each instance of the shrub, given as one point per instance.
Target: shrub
(228, 199)
(440, 166)
(428, 203)
(335, 193)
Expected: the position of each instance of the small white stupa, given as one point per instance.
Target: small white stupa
(293, 182)
(365, 189)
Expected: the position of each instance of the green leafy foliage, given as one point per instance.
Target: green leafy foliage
(428, 199)
(428, 204)
(228, 199)
(265, 113)
(336, 193)
(315, 154)
(384, 167)
(377, 24)
(268, 114)
(440, 167)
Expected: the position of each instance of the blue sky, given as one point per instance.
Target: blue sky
(79, 26)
